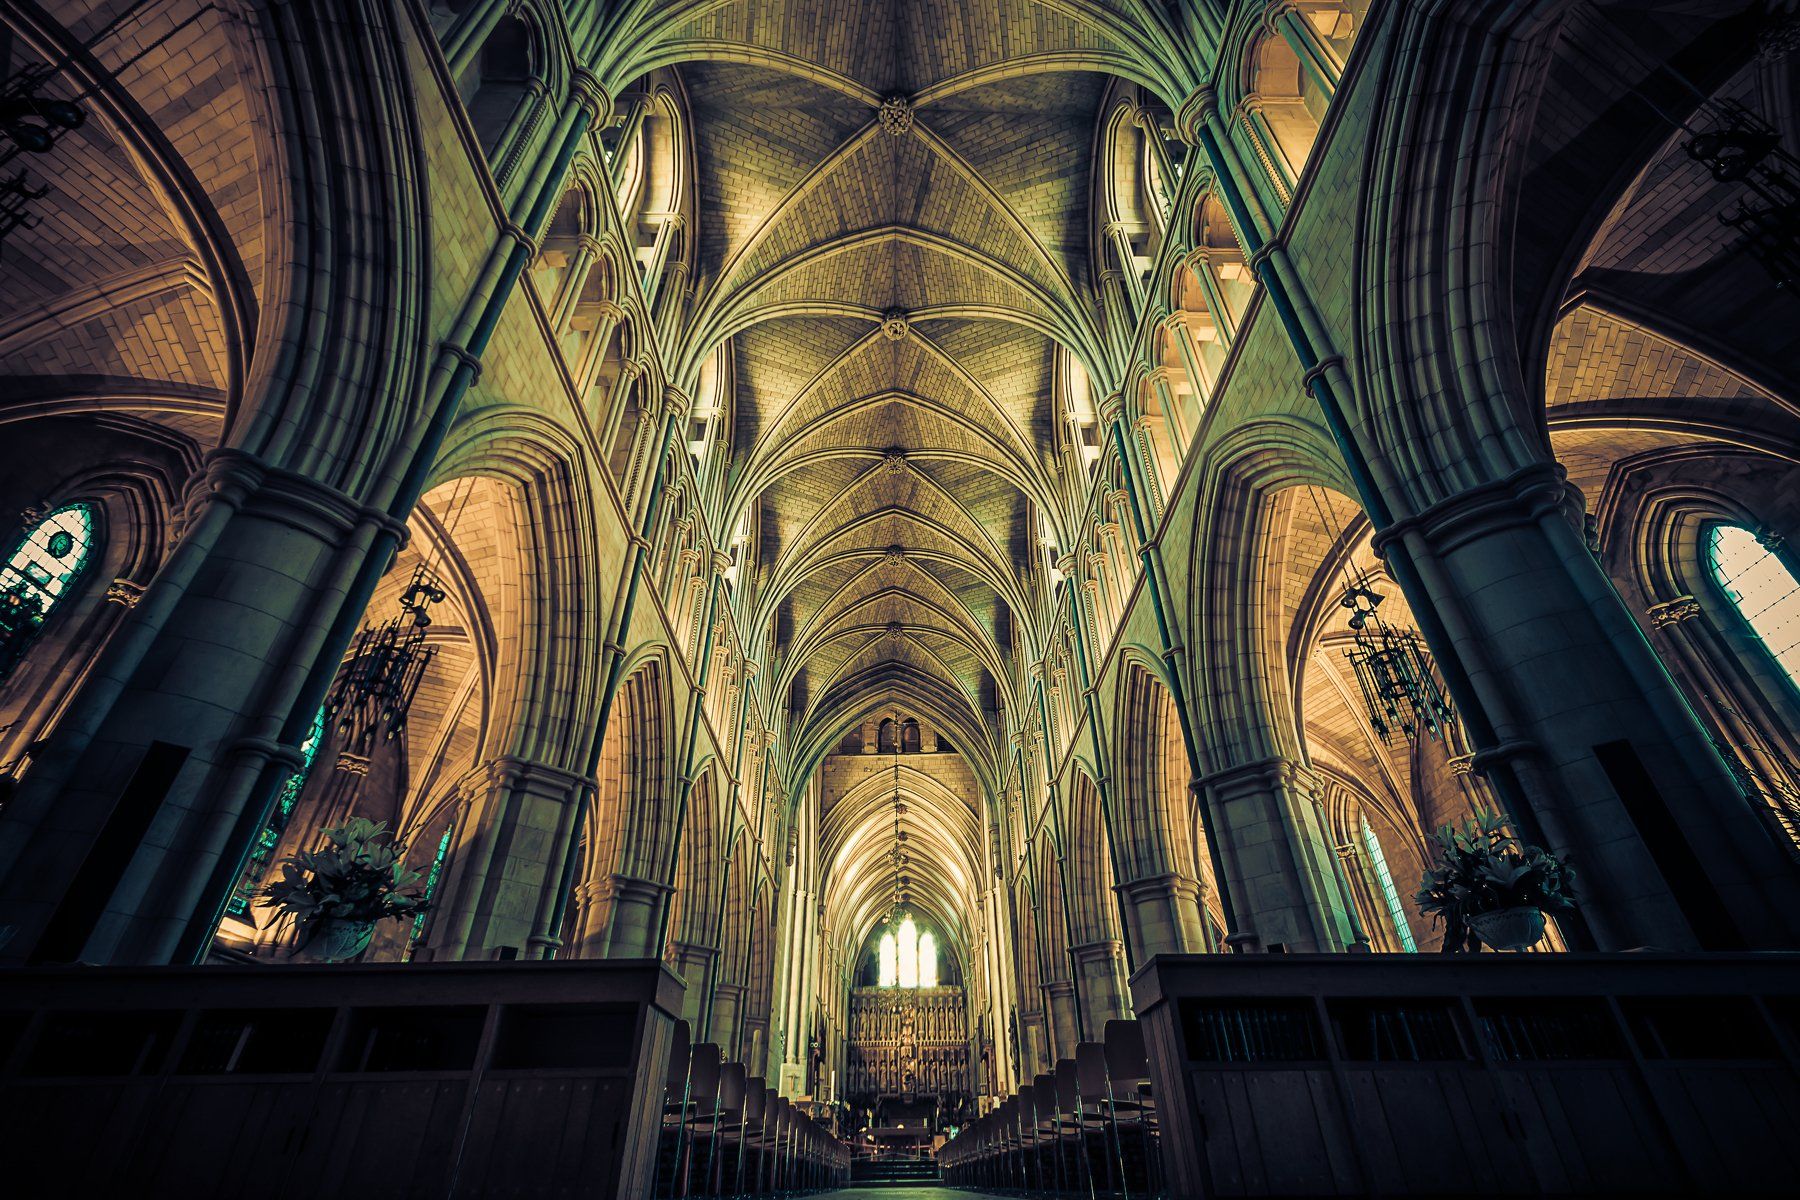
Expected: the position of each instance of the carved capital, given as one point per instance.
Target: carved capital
(1672, 612)
(124, 591)
(1199, 108)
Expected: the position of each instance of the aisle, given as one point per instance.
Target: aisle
(890, 1193)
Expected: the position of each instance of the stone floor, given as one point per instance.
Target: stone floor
(894, 1193)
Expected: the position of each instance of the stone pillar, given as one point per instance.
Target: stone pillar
(520, 811)
(468, 33)
(587, 249)
(1059, 1003)
(158, 751)
(1103, 994)
(1283, 881)
(1163, 914)
(692, 962)
(727, 1017)
(1616, 768)
(636, 914)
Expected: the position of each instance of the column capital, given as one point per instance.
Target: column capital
(1201, 106)
(1521, 498)
(1671, 612)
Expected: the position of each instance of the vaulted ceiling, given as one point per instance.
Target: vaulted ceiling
(893, 247)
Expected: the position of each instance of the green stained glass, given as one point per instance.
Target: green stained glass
(39, 575)
(1390, 895)
(264, 850)
(431, 881)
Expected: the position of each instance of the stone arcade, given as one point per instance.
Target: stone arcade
(919, 544)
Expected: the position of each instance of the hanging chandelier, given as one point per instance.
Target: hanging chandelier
(1742, 148)
(897, 857)
(374, 691)
(1393, 670)
(30, 123)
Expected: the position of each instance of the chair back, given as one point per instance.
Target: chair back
(1068, 1088)
(703, 1080)
(1127, 1063)
(1090, 1072)
(756, 1095)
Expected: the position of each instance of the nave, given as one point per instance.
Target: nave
(1104, 595)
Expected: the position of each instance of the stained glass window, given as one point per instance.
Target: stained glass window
(264, 850)
(431, 881)
(39, 575)
(1390, 895)
(906, 957)
(1765, 592)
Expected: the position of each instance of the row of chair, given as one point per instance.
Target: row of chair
(1089, 1129)
(725, 1134)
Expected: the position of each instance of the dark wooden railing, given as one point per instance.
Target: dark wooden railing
(1495, 1074)
(397, 1081)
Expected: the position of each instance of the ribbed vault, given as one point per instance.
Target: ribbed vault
(892, 267)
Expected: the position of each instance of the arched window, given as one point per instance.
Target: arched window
(890, 961)
(40, 575)
(432, 878)
(1763, 590)
(1384, 880)
(906, 957)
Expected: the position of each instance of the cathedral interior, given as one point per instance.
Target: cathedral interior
(911, 588)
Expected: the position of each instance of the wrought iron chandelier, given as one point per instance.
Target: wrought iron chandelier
(898, 856)
(1744, 149)
(30, 123)
(374, 691)
(1393, 670)
(1736, 145)
(21, 614)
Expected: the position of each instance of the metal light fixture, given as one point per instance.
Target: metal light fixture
(1744, 149)
(1393, 670)
(30, 123)
(374, 691)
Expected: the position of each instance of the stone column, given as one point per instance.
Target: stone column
(468, 33)
(1616, 768)
(1283, 881)
(727, 1016)
(753, 1045)
(692, 962)
(1103, 994)
(1163, 912)
(1059, 1003)
(154, 758)
(587, 249)
(636, 911)
(519, 812)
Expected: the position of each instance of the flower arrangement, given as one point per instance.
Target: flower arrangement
(1489, 887)
(358, 878)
